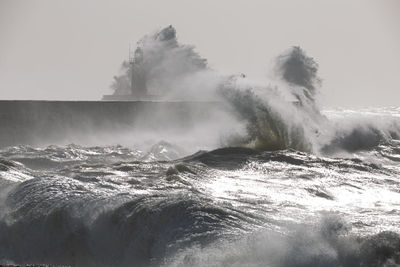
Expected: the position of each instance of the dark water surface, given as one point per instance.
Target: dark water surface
(235, 206)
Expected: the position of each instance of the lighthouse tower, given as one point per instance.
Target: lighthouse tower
(138, 78)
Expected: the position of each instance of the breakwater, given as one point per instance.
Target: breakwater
(60, 122)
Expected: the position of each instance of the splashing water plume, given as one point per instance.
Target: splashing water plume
(274, 116)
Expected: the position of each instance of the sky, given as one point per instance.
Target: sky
(71, 49)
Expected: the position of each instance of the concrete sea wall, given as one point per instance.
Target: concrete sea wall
(60, 122)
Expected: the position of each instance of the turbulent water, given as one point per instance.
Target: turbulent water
(118, 206)
(281, 184)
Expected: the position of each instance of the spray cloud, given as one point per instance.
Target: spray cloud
(274, 116)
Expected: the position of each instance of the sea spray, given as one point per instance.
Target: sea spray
(164, 64)
(176, 71)
(275, 116)
(273, 122)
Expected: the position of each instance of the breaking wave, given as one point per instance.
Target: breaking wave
(281, 116)
(325, 244)
(110, 206)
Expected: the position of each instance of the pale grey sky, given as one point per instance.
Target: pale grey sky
(70, 50)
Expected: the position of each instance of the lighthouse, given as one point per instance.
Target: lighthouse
(138, 75)
(138, 80)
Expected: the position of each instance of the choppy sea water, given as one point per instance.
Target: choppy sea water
(232, 206)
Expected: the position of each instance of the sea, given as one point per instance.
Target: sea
(253, 204)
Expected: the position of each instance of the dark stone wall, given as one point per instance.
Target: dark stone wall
(53, 122)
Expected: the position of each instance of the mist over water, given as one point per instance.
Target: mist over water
(274, 116)
(223, 171)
